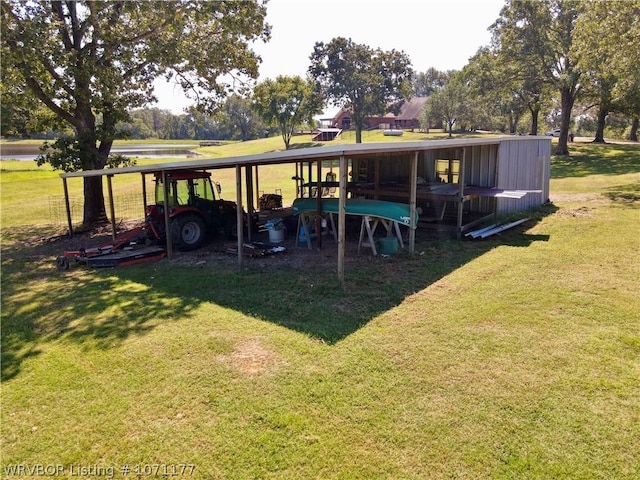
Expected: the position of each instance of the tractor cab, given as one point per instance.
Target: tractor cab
(195, 208)
(186, 188)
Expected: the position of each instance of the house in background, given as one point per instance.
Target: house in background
(407, 118)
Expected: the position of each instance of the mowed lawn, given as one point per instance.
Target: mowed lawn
(515, 357)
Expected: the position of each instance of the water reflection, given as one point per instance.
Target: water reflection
(162, 153)
(30, 152)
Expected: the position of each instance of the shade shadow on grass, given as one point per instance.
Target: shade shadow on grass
(102, 308)
(312, 301)
(627, 195)
(40, 304)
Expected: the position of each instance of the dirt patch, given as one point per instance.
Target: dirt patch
(47, 244)
(253, 358)
(577, 212)
(574, 197)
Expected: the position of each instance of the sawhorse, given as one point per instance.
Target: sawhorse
(369, 224)
(305, 222)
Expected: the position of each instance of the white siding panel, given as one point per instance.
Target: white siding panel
(523, 165)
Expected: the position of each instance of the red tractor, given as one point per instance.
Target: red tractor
(194, 209)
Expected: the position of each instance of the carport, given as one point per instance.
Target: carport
(495, 175)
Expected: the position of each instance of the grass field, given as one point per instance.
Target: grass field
(517, 357)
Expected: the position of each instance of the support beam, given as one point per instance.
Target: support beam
(318, 228)
(239, 216)
(342, 204)
(256, 179)
(413, 191)
(376, 177)
(167, 220)
(67, 206)
(298, 180)
(249, 185)
(144, 195)
(461, 192)
(112, 210)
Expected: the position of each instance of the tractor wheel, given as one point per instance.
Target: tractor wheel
(188, 231)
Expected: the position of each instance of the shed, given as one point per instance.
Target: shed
(460, 183)
(465, 180)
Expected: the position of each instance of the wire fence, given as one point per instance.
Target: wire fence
(126, 207)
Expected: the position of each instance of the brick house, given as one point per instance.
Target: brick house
(407, 118)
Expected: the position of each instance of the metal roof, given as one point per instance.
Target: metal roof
(303, 154)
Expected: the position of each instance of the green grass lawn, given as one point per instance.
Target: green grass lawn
(516, 357)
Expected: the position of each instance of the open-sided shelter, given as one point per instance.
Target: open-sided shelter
(459, 182)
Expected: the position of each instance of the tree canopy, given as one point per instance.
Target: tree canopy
(365, 81)
(540, 34)
(606, 43)
(90, 62)
(451, 104)
(287, 102)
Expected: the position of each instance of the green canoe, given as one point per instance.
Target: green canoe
(397, 212)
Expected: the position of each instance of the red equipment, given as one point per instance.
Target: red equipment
(129, 248)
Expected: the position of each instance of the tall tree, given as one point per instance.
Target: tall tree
(287, 102)
(605, 45)
(91, 61)
(237, 119)
(496, 85)
(519, 43)
(365, 81)
(450, 104)
(543, 32)
(426, 83)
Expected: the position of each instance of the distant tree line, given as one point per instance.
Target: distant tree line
(236, 121)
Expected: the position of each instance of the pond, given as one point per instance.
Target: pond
(30, 152)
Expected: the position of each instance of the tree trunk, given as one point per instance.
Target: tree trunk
(512, 124)
(602, 118)
(94, 211)
(358, 133)
(535, 113)
(633, 135)
(567, 98)
(94, 158)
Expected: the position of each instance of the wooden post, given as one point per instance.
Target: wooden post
(249, 184)
(239, 216)
(413, 189)
(342, 205)
(257, 182)
(167, 220)
(68, 206)
(144, 194)
(461, 192)
(376, 178)
(112, 210)
(317, 222)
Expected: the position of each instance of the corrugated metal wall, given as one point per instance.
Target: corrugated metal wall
(518, 163)
(523, 165)
(480, 171)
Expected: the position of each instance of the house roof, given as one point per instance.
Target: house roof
(410, 110)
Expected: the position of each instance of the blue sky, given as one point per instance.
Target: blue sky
(433, 33)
